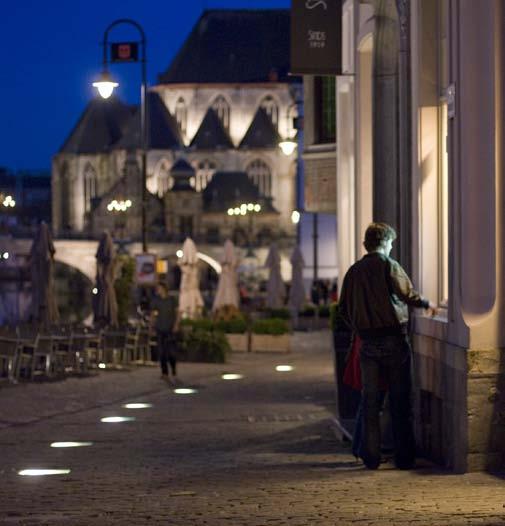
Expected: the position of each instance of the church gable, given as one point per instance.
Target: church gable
(211, 134)
(261, 132)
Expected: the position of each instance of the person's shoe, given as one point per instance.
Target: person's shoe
(372, 465)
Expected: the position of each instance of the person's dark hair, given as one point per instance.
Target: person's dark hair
(376, 234)
(164, 286)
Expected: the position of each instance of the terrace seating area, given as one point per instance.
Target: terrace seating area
(29, 352)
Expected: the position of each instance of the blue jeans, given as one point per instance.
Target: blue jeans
(388, 357)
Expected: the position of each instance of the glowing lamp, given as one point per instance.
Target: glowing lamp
(105, 85)
(287, 146)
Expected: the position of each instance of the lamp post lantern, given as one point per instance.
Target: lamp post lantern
(128, 52)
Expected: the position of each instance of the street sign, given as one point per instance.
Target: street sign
(124, 52)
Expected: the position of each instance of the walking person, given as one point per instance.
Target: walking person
(375, 297)
(167, 324)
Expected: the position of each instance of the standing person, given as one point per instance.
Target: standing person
(166, 325)
(375, 297)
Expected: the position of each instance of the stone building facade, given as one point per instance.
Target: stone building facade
(225, 116)
(420, 145)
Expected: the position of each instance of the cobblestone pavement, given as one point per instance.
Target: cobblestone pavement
(257, 451)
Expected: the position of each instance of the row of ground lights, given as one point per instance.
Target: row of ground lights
(34, 472)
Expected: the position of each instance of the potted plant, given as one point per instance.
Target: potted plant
(229, 320)
(202, 342)
(270, 335)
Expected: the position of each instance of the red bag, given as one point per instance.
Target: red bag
(352, 372)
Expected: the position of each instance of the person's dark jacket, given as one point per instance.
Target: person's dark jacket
(167, 313)
(375, 296)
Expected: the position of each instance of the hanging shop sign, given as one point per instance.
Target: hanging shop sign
(320, 186)
(124, 52)
(316, 37)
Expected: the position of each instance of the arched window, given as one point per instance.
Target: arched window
(222, 108)
(259, 173)
(164, 179)
(271, 109)
(65, 199)
(181, 114)
(204, 171)
(90, 186)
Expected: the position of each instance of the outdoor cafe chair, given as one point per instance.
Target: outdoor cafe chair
(9, 348)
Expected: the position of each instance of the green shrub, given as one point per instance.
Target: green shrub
(233, 326)
(282, 313)
(204, 324)
(201, 345)
(308, 311)
(123, 287)
(324, 311)
(274, 326)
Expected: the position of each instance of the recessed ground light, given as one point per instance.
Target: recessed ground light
(42, 472)
(137, 406)
(232, 376)
(114, 419)
(284, 368)
(71, 444)
(185, 390)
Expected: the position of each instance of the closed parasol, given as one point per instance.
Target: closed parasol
(105, 302)
(44, 309)
(227, 288)
(190, 299)
(275, 286)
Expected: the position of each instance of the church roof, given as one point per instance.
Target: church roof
(211, 134)
(261, 133)
(100, 126)
(227, 46)
(230, 189)
(162, 129)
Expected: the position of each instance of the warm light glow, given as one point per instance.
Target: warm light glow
(232, 376)
(115, 419)
(179, 253)
(250, 207)
(230, 211)
(9, 201)
(95, 291)
(105, 85)
(284, 368)
(295, 217)
(287, 147)
(237, 210)
(257, 208)
(41, 472)
(101, 366)
(137, 405)
(71, 444)
(185, 390)
(5, 255)
(119, 206)
(243, 211)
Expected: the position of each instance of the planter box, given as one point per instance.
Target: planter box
(238, 342)
(270, 343)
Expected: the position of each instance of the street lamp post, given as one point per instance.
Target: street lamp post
(246, 209)
(127, 52)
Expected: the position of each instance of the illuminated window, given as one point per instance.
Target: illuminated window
(325, 109)
(271, 109)
(164, 179)
(90, 186)
(259, 173)
(181, 114)
(204, 171)
(222, 109)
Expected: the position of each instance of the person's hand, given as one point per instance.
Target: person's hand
(432, 310)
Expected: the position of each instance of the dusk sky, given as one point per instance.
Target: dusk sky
(51, 54)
